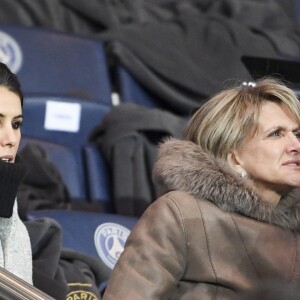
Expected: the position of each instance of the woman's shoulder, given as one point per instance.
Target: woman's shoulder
(184, 205)
(176, 199)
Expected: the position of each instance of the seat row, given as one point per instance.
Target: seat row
(67, 91)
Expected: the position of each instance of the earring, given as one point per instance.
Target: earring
(244, 174)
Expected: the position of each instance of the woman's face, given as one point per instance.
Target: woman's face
(271, 158)
(10, 121)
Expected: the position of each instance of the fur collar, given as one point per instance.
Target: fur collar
(182, 165)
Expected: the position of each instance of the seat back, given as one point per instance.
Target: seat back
(132, 91)
(62, 126)
(65, 162)
(54, 63)
(97, 234)
(98, 177)
(57, 67)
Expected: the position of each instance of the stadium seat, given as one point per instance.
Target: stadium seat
(65, 81)
(130, 90)
(61, 125)
(51, 63)
(98, 177)
(97, 234)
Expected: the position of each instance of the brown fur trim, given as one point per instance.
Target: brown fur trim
(183, 165)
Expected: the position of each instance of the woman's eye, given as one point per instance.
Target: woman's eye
(297, 135)
(17, 124)
(275, 133)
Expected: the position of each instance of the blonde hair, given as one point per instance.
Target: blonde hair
(223, 122)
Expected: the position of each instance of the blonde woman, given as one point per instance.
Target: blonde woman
(229, 216)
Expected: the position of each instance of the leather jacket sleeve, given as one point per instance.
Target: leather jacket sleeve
(154, 258)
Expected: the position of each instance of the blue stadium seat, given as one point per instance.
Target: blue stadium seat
(96, 234)
(65, 161)
(62, 125)
(130, 90)
(98, 177)
(54, 63)
(58, 67)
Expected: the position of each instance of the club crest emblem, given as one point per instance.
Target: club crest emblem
(109, 240)
(10, 52)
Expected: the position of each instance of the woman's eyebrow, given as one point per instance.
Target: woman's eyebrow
(270, 129)
(16, 117)
(283, 128)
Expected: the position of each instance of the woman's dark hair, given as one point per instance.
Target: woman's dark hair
(10, 81)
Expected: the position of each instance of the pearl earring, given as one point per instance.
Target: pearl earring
(243, 174)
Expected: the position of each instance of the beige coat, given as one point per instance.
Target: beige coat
(209, 238)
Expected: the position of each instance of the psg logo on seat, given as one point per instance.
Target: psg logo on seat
(10, 52)
(109, 240)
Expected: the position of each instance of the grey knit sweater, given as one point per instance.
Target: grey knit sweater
(15, 247)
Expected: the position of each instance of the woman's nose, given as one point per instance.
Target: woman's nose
(8, 137)
(294, 145)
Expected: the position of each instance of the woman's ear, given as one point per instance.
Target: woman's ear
(234, 162)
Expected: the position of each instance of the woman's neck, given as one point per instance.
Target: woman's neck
(269, 195)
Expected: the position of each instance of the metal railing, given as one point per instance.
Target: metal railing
(14, 288)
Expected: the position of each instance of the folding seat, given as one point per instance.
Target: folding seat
(53, 63)
(98, 177)
(101, 235)
(61, 126)
(67, 91)
(130, 90)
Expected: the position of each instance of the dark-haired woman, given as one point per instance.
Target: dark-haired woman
(15, 248)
